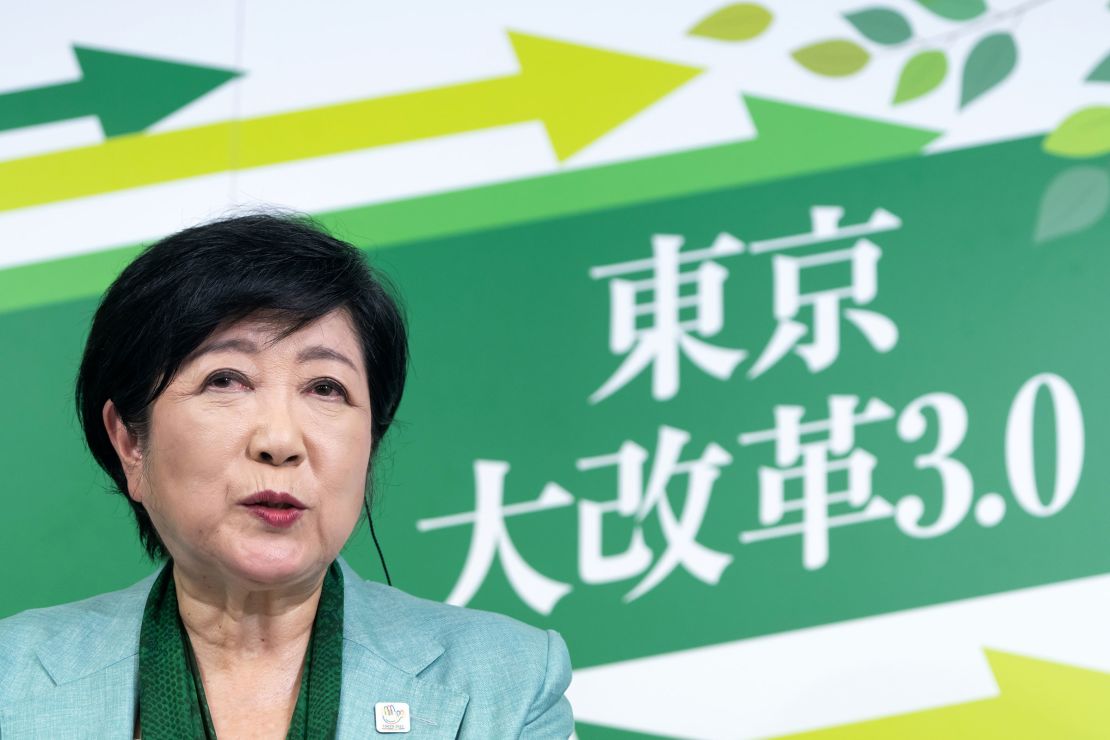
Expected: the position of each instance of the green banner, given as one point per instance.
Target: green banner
(876, 393)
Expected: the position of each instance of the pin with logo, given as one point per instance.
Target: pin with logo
(392, 716)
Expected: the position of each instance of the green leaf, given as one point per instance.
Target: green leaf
(1101, 73)
(922, 74)
(1085, 133)
(837, 58)
(736, 22)
(1075, 200)
(956, 10)
(881, 25)
(990, 62)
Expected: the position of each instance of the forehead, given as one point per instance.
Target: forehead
(331, 333)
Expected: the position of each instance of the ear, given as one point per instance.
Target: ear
(127, 448)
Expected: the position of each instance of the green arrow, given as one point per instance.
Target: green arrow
(793, 140)
(127, 93)
(578, 92)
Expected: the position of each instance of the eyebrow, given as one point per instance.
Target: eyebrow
(246, 346)
(320, 352)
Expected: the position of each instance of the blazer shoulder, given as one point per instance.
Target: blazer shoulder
(462, 628)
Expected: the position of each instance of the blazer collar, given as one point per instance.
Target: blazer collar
(386, 647)
(108, 630)
(104, 632)
(375, 619)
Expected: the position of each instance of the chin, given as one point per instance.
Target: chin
(274, 566)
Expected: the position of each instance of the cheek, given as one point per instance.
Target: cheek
(346, 469)
(211, 428)
(343, 488)
(343, 455)
(190, 452)
(342, 438)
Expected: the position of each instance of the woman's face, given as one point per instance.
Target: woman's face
(245, 416)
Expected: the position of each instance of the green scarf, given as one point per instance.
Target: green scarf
(171, 694)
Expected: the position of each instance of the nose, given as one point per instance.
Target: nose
(277, 439)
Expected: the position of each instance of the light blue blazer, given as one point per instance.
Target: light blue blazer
(71, 671)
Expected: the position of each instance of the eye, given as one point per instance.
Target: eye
(224, 380)
(328, 388)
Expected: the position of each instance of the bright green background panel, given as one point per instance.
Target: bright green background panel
(63, 535)
(510, 337)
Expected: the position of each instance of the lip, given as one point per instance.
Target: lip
(264, 505)
(271, 498)
(279, 518)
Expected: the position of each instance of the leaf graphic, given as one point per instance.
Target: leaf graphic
(989, 63)
(881, 25)
(1075, 200)
(1085, 133)
(736, 22)
(1101, 73)
(922, 73)
(955, 10)
(837, 58)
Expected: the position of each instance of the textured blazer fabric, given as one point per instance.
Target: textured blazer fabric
(71, 671)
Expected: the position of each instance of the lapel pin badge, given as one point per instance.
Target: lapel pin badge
(392, 716)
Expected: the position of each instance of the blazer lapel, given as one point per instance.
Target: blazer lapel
(384, 652)
(93, 663)
(436, 710)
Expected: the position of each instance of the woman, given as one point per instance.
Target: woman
(236, 382)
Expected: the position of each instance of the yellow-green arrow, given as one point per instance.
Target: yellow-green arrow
(1036, 700)
(578, 92)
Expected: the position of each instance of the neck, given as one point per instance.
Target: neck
(228, 622)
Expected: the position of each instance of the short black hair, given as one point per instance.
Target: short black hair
(182, 288)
